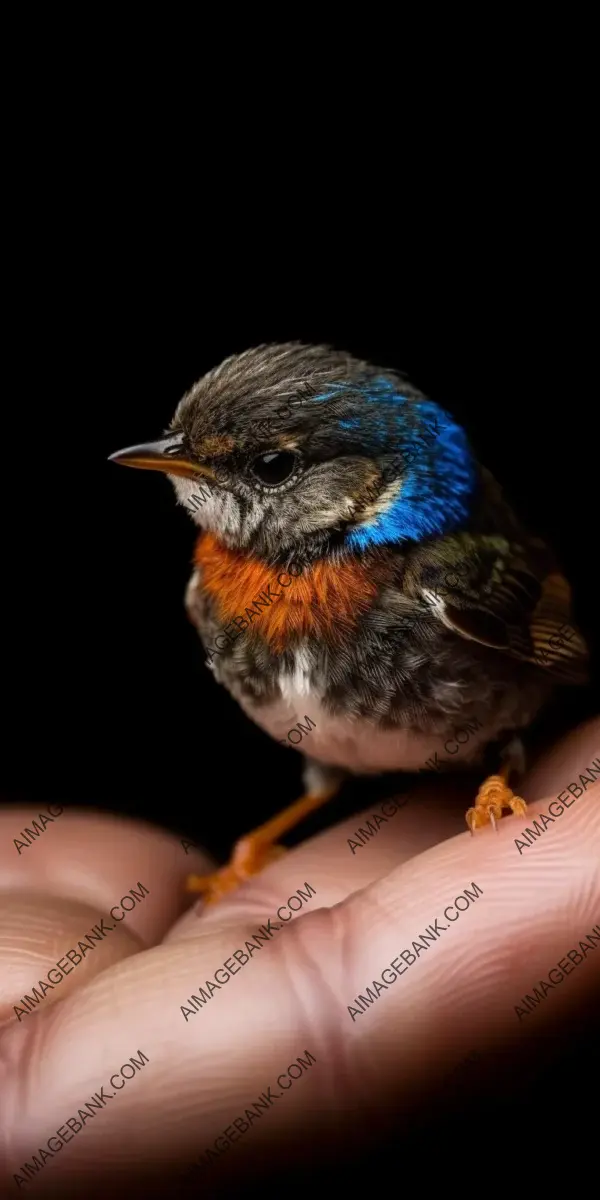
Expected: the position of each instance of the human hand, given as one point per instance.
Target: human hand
(205, 1067)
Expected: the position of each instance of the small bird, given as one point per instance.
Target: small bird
(415, 601)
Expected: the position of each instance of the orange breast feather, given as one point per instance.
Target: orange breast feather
(324, 601)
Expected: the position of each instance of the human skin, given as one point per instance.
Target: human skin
(291, 997)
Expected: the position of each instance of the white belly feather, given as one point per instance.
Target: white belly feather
(355, 743)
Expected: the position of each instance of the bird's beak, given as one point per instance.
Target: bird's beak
(166, 455)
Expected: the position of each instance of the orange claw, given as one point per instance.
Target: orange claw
(256, 850)
(253, 859)
(493, 795)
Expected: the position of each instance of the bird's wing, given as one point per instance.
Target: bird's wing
(504, 594)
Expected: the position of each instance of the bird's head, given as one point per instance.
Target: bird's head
(289, 448)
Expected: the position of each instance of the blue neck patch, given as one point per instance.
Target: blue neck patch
(438, 477)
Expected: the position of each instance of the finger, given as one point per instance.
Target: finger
(63, 879)
(348, 856)
(206, 1067)
(366, 846)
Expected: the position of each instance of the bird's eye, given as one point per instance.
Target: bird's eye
(276, 467)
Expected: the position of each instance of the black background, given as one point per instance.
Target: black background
(110, 704)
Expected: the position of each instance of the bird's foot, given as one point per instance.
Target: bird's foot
(250, 856)
(493, 795)
(256, 850)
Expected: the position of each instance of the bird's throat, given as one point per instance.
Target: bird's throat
(324, 600)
